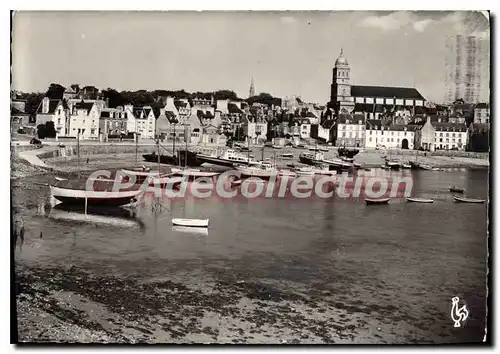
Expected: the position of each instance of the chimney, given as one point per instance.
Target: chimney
(45, 105)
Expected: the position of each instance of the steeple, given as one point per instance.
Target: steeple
(252, 89)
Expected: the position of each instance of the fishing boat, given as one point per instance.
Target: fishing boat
(468, 200)
(287, 156)
(350, 153)
(454, 189)
(406, 166)
(192, 172)
(264, 170)
(101, 194)
(228, 158)
(191, 222)
(118, 217)
(419, 200)
(370, 201)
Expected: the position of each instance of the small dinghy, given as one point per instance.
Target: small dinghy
(287, 173)
(406, 166)
(370, 201)
(419, 200)
(190, 222)
(468, 200)
(61, 179)
(287, 156)
(454, 189)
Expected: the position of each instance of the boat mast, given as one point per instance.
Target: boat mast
(136, 140)
(186, 152)
(248, 152)
(78, 151)
(158, 146)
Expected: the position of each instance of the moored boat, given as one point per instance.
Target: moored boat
(264, 170)
(192, 172)
(102, 193)
(140, 174)
(393, 165)
(60, 179)
(405, 166)
(305, 171)
(287, 156)
(468, 200)
(164, 159)
(228, 158)
(370, 201)
(419, 200)
(350, 153)
(191, 222)
(277, 147)
(287, 173)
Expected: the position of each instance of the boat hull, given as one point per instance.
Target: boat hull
(468, 200)
(190, 222)
(164, 159)
(419, 200)
(96, 198)
(377, 201)
(222, 162)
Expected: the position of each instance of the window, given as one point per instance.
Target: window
(447, 134)
(58, 120)
(343, 134)
(392, 133)
(447, 140)
(371, 132)
(370, 139)
(405, 133)
(459, 140)
(453, 135)
(92, 131)
(440, 134)
(441, 140)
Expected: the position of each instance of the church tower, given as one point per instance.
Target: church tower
(252, 89)
(340, 99)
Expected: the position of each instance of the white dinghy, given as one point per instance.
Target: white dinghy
(191, 222)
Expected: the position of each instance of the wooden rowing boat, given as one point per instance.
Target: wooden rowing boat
(419, 200)
(101, 193)
(370, 201)
(468, 200)
(191, 222)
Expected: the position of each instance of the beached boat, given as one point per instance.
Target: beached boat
(191, 222)
(324, 149)
(406, 166)
(228, 158)
(278, 147)
(286, 156)
(419, 200)
(370, 201)
(60, 179)
(468, 200)
(193, 173)
(101, 194)
(393, 165)
(454, 189)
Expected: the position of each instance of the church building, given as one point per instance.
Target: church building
(354, 103)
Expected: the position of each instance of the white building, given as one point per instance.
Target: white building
(450, 136)
(55, 111)
(397, 136)
(84, 118)
(350, 130)
(145, 122)
(304, 125)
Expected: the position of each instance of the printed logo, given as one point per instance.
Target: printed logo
(458, 314)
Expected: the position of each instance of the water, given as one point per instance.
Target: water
(409, 257)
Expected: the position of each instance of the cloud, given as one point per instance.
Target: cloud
(393, 21)
(288, 19)
(421, 25)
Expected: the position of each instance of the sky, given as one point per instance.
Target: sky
(286, 53)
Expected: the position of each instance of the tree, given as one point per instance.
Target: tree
(41, 131)
(226, 95)
(264, 98)
(75, 87)
(50, 131)
(55, 91)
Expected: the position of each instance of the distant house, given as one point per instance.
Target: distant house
(482, 113)
(254, 129)
(304, 125)
(69, 93)
(113, 122)
(55, 111)
(425, 136)
(84, 120)
(391, 136)
(450, 136)
(18, 116)
(478, 137)
(145, 122)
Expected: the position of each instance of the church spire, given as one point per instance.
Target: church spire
(252, 89)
